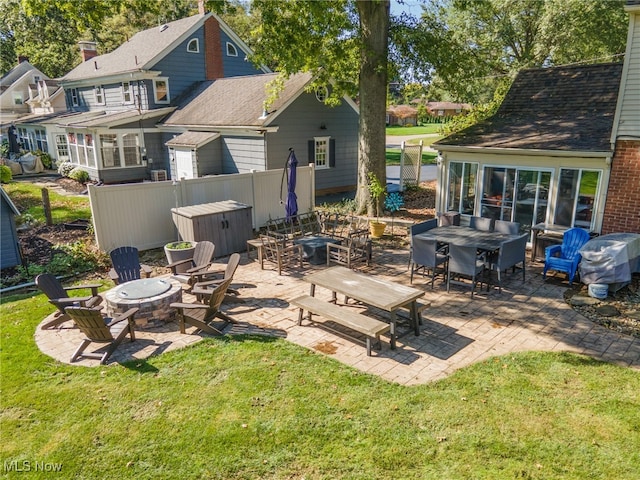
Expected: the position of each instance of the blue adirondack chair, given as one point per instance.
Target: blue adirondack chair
(566, 257)
(126, 265)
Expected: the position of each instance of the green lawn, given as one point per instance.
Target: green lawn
(420, 130)
(254, 407)
(393, 157)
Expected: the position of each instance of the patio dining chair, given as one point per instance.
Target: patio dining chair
(101, 329)
(427, 257)
(198, 264)
(126, 265)
(416, 229)
(505, 226)
(59, 296)
(202, 315)
(566, 257)
(465, 261)
(511, 253)
(481, 223)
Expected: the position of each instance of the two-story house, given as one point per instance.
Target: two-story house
(115, 100)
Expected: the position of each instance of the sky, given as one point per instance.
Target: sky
(413, 7)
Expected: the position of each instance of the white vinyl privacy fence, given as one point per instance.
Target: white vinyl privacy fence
(139, 214)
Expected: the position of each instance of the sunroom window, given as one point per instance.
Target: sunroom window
(576, 199)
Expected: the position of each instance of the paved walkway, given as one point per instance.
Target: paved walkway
(457, 331)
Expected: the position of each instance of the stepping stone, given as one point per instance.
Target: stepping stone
(607, 311)
(579, 300)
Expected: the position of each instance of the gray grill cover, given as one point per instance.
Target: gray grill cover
(610, 259)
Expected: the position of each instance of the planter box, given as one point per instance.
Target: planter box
(177, 254)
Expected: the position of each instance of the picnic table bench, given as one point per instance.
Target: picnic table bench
(370, 327)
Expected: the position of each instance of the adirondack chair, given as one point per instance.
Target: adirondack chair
(566, 257)
(101, 329)
(126, 265)
(230, 270)
(202, 315)
(59, 296)
(198, 264)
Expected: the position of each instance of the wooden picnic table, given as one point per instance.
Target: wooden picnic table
(370, 290)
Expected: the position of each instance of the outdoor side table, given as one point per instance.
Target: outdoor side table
(314, 248)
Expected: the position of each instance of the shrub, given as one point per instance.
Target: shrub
(45, 158)
(5, 174)
(4, 148)
(79, 175)
(65, 168)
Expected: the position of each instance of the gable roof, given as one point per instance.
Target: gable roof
(7, 199)
(236, 102)
(560, 108)
(16, 73)
(140, 52)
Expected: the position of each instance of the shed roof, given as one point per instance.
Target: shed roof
(559, 108)
(192, 139)
(7, 199)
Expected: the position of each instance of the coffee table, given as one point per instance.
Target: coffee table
(153, 296)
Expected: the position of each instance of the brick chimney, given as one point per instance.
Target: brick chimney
(22, 58)
(87, 50)
(212, 49)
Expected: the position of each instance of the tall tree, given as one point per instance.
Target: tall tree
(473, 44)
(339, 41)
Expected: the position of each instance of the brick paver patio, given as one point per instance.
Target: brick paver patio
(457, 330)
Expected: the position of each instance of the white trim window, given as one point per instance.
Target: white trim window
(41, 141)
(73, 94)
(321, 152)
(17, 98)
(577, 196)
(82, 153)
(127, 93)
(73, 150)
(232, 51)
(110, 150)
(461, 196)
(91, 154)
(161, 90)
(322, 93)
(131, 149)
(23, 138)
(98, 92)
(193, 46)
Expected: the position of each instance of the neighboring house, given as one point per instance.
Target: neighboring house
(9, 246)
(447, 109)
(402, 115)
(226, 129)
(115, 100)
(544, 157)
(15, 92)
(622, 208)
(563, 149)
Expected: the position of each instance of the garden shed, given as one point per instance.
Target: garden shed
(10, 253)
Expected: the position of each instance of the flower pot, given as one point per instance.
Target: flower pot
(377, 228)
(177, 251)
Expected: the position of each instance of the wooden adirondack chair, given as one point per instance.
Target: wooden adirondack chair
(202, 315)
(230, 270)
(126, 265)
(199, 264)
(101, 329)
(59, 296)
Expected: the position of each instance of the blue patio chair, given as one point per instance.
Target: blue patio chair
(126, 265)
(566, 257)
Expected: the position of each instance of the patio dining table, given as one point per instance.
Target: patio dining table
(467, 237)
(370, 290)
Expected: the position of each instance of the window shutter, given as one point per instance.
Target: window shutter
(332, 152)
(311, 150)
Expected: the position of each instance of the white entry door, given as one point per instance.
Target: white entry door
(184, 164)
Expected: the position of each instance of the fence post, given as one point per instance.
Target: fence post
(46, 204)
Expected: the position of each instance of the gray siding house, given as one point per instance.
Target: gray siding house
(227, 127)
(115, 100)
(10, 249)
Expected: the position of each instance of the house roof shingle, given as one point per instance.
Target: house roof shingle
(559, 108)
(235, 101)
(137, 52)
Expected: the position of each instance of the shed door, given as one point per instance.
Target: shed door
(184, 164)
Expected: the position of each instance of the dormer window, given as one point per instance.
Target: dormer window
(99, 94)
(193, 46)
(74, 97)
(127, 96)
(232, 51)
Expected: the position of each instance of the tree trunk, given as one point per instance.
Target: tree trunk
(374, 25)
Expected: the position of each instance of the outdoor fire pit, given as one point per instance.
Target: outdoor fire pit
(153, 296)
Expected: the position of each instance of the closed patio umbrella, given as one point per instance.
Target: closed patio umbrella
(291, 204)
